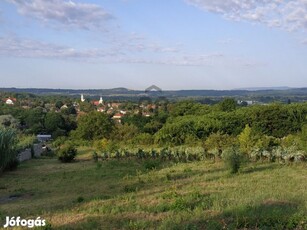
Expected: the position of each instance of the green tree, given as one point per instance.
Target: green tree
(94, 126)
(86, 107)
(59, 104)
(219, 142)
(53, 121)
(227, 105)
(8, 121)
(125, 132)
(246, 140)
(34, 119)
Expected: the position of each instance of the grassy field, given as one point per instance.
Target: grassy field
(123, 194)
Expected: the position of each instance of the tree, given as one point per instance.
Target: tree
(67, 153)
(53, 121)
(94, 126)
(34, 119)
(187, 107)
(86, 107)
(8, 121)
(125, 132)
(227, 105)
(219, 142)
(59, 104)
(246, 140)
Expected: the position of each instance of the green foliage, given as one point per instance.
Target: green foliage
(34, 119)
(227, 105)
(175, 132)
(151, 164)
(53, 123)
(303, 138)
(246, 140)
(187, 107)
(67, 153)
(59, 104)
(86, 107)
(233, 159)
(125, 132)
(59, 141)
(143, 139)
(25, 141)
(219, 142)
(8, 140)
(8, 121)
(277, 120)
(93, 126)
(95, 156)
(136, 120)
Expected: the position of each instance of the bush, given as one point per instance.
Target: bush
(151, 164)
(233, 159)
(8, 153)
(67, 153)
(95, 156)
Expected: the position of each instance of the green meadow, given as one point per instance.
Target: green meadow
(152, 194)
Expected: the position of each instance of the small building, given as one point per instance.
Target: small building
(44, 137)
(97, 103)
(118, 117)
(115, 105)
(101, 109)
(82, 98)
(10, 101)
(146, 114)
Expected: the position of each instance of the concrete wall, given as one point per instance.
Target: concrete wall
(38, 149)
(26, 154)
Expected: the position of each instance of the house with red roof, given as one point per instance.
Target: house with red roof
(10, 101)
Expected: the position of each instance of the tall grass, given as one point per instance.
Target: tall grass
(7, 148)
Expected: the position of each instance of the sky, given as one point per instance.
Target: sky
(174, 44)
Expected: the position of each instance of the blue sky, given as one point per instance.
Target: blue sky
(175, 44)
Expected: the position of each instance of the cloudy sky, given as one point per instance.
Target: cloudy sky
(175, 44)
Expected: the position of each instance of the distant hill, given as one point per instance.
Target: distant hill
(263, 94)
(265, 88)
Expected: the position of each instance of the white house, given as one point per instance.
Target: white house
(10, 101)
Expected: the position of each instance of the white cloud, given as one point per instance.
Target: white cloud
(64, 13)
(287, 14)
(13, 46)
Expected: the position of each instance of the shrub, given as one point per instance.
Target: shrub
(8, 152)
(95, 156)
(151, 164)
(67, 153)
(233, 159)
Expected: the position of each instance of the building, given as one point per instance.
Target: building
(118, 117)
(82, 98)
(43, 137)
(100, 101)
(10, 101)
(97, 103)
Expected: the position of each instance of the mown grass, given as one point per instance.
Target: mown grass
(122, 194)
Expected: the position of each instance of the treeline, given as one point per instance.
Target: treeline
(272, 131)
(41, 117)
(254, 130)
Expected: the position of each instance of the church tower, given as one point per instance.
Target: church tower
(82, 98)
(100, 101)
